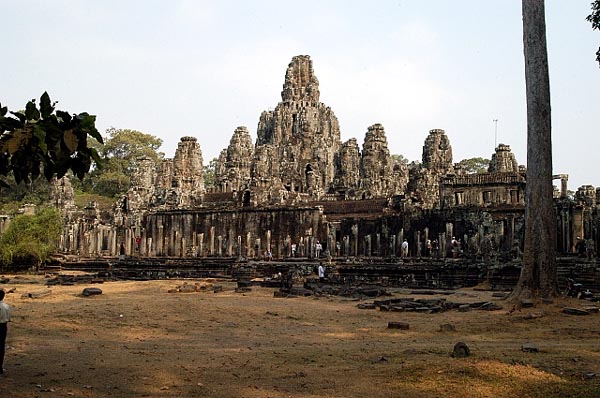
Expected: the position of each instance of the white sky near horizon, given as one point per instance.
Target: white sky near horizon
(202, 68)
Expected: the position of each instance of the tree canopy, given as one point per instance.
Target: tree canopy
(121, 152)
(474, 165)
(594, 19)
(41, 139)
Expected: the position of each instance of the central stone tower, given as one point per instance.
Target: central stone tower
(298, 139)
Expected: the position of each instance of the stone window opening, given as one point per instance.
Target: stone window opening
(458, 198)
(487, 197)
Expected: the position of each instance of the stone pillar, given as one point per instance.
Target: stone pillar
(378, 244)
(449, 235)
(201, 244)
(441, 245)
(368, 245)
(160, 241)
(355, 234)
(419, 244)
(268, 240)
(230, 242)
(346, 245)
(211, 241)
(151, 252)
(563, 185)
(248, 245)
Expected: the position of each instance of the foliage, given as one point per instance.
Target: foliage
(121, 152)
(474, 165)
(31, 237)
(82, 199)
(42, 140)
(594, 19)
(130, 145)
(399, 159)
(209, 173)
(13, 195)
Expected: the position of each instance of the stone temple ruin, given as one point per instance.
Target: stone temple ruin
(299, 184)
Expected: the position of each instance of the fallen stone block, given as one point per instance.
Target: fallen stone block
(575, 311)
(529, 347)
(460, 350)
(217, 289)
(527, 303)
(39, 294)
(489, 306)
(398, 325)
(464, 308)
(447, 327)
(366, 306)
(91, 291)
(591, 308)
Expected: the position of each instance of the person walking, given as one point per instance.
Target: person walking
(4, 319)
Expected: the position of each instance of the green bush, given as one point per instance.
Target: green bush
(31, 238)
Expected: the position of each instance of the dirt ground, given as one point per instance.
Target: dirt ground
(138, 340)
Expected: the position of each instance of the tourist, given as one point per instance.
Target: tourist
(321, 272)
(435, 247)
(318, 248)
(4, 319)
(580, 247)
(122, 252)
(454, 244)
(404, 248)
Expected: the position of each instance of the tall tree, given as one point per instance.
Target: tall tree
(474, 165)
(538, 274)
(594, 19)
(121, 152)
(41, 140)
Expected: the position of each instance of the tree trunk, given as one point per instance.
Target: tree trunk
(538, 274)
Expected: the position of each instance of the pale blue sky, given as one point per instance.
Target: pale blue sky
(202, 68)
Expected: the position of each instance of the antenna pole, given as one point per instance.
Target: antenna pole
(495, 133)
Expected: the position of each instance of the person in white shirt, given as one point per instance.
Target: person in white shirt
(4, 319)
(321, 272)
(404, 248)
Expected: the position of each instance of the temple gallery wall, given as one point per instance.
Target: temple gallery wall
(298, 189)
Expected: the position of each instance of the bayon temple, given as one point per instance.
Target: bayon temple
(299, 184)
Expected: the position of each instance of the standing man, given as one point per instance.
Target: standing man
(4, 319)
(321, 271)
(404, 248)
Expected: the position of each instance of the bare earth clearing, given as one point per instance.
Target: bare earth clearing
(138, 340)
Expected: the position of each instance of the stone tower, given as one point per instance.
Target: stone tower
(376, 167)
(304, 133)
(187, 182)
(233, 174)
(503, 161)
(424, 182)
(347, 165)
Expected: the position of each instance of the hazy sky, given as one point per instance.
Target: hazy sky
(202, 68)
